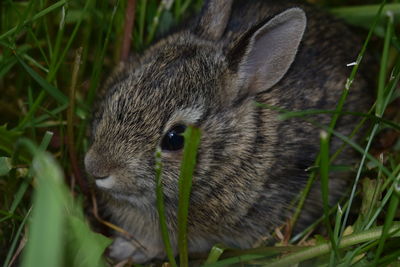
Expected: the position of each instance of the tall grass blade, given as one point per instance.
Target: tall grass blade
(51, 90)
(324, 172)
(192, 140)
(384, 63)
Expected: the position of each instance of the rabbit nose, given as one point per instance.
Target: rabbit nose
(97, 165)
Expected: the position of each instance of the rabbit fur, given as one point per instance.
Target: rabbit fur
(251, 166)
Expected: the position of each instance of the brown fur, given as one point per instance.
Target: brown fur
(250, 165)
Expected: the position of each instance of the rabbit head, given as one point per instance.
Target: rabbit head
(189, 79)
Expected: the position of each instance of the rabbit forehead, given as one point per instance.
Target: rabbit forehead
(175, 85)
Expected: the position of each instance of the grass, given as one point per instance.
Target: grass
(53, 58)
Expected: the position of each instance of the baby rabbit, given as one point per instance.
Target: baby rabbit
(251, 166)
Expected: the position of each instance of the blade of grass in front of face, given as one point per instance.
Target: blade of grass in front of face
(192, 141)
(161, 210)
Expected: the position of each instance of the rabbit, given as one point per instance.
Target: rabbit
(251, 166)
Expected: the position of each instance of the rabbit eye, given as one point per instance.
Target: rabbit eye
(173, 140)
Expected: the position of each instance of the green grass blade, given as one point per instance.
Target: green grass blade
(16, 238)
(141, 22)
(85, 246)
(286, 114)
(385, 199)
(34, 107)
(391, 213)
(47, 219)
(24, 186)
(35, 17)
(215, 253)
(5, 165)
(192, 140)
(383, 66)
(234, 260)
(161, 210)
(53, 91)
(324, 175)
(358, 175)
(8, 138)
(69, 43)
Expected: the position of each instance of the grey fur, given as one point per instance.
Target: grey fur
(250, 165)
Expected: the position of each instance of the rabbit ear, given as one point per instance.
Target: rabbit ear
(214, 18)
(269, 52)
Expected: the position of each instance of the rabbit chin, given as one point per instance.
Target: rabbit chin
(106, 183)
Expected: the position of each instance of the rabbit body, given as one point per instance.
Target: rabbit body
(250, 166)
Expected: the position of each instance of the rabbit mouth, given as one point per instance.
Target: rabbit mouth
(106, 183)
